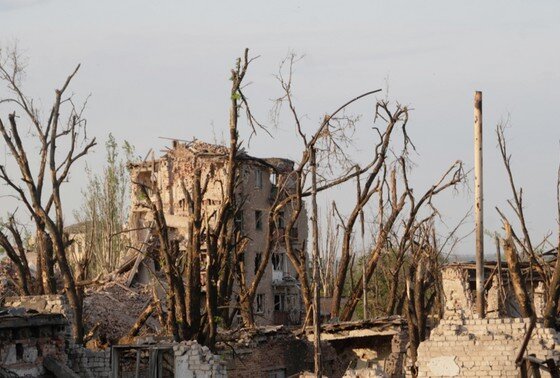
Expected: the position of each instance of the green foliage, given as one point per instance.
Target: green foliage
(105, 208)
(219, 321)
(379, 286)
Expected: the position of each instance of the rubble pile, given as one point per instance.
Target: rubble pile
(8, 273)
(251, 337)
(116, 308)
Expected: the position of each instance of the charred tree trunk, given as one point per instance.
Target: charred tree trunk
(551, 309)
(142, 318)
(519, 287)
(193, 261)
(70, 288)
(45, 250)
(392, 300)
(23, 273)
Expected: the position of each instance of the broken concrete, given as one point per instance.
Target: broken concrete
(368, 347)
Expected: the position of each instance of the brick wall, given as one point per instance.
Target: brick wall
(463, 345)
(193, 360)
(482, 347)
(85, 362)
(89, 363)
(23, 348)
(45, 304)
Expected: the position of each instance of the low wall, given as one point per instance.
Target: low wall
(89, 363)
(482, 347)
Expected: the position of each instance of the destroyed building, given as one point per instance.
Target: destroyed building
(375, 347)
(500, 301)
(36, 341)
(278, 299)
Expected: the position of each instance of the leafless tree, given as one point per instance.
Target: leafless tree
(327, 139)
(423, 290)
(168, 249)
(328, 260)
(549, 273)
(62, 142)
(452, 177)
(12, 243)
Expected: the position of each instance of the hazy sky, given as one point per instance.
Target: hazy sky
(160, 69)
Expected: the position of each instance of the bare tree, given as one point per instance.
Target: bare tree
(13, 245)
(177, 322)
(516, 204)
(365, 193)
(326, 139)
(328, 260)
(423, 283)
(453, 176)
(62, 141)
(550, 274)
(518, 281)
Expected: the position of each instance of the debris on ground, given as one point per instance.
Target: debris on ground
(116, 308)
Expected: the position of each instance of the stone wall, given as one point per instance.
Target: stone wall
(464, 345)
(482, 347)
(193, 360)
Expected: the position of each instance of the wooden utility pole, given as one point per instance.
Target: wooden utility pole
(316, 278)
(479, 200)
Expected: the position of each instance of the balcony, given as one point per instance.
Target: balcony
(277, 277)
(281, 278)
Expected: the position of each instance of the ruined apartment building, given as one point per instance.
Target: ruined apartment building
(278, 299)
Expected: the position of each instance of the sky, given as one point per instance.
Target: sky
(161, 69)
